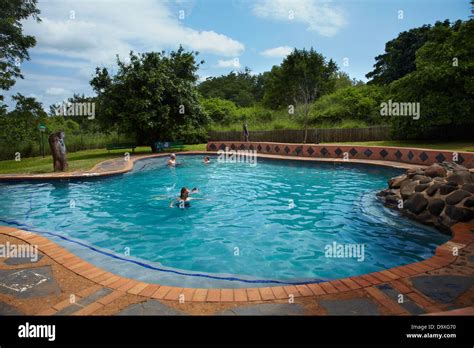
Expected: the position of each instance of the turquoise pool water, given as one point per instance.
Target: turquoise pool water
(272, 221)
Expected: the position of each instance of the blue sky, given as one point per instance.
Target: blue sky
(76, 36)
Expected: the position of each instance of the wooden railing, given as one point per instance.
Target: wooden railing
(322, 135)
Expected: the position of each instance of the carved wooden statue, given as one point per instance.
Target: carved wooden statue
(58, 150)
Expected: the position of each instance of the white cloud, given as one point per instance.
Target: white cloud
(102, 29)
(231, 63)
(72, 48)
(49, 89)
(70, 64)
(320, 16)
(55, 91)
(277, 52)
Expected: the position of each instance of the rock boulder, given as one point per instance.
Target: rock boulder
(440, 195)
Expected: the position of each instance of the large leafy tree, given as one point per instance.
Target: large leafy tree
(443, 82)
(153, 97)
(14, 44)
(21, 124)
(399, 57)
(242, 87)
(303, 74)
(303, 77)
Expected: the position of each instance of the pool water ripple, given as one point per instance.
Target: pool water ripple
(271, 221)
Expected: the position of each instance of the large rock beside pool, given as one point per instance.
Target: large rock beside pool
(408, 188)
(468, 187)
(447, 188)
(440, 195)
(435, 170)
(416, 203)
(460, 178)
(457, 196)
(397, 181)
(469, 203)
(436, 206)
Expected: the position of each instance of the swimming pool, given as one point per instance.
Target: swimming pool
(274, 223)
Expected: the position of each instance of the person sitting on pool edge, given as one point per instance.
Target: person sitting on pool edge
(172, 160)
(206, 160)
(183, 199)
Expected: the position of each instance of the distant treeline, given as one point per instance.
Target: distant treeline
(157, 96)
(429, 65)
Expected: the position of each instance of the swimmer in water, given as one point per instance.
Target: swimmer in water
(172, 160)
(206, 160)
(183, 199)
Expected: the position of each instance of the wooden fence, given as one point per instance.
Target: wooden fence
(322, 135)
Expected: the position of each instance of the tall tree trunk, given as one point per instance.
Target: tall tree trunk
(305, 129)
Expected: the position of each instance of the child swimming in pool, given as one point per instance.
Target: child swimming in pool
(172, 160)
(183, 199)
(206, 160)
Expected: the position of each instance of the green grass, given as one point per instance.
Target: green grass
(80, 160)
(453, 145)
(284, 123)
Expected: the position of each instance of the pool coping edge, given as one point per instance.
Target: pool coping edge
(445, 255)
(128, 166)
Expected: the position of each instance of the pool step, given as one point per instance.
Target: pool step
(409, 305)
(392, 305)
(84, 302)
(87, 302)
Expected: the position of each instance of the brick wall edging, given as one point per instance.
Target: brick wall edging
(409, 155)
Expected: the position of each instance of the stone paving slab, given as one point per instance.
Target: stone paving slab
(356, 306)
(28, 282)
(150, 307)
(408, 304)
(443, 288)
(6, 309)
(83, 302)
(73, 308)
(94, 297)
(15, 261)
(266, 309)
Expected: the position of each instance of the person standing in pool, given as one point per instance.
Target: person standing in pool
(183, 199)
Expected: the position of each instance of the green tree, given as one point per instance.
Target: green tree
(153, 97)
(220, 111)
(399, 57)
(443, 82)
(343, 80)
(359, 103)
(302, 70)
(21, 124)
(243, 88)
(13, 44)
(302, 77)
